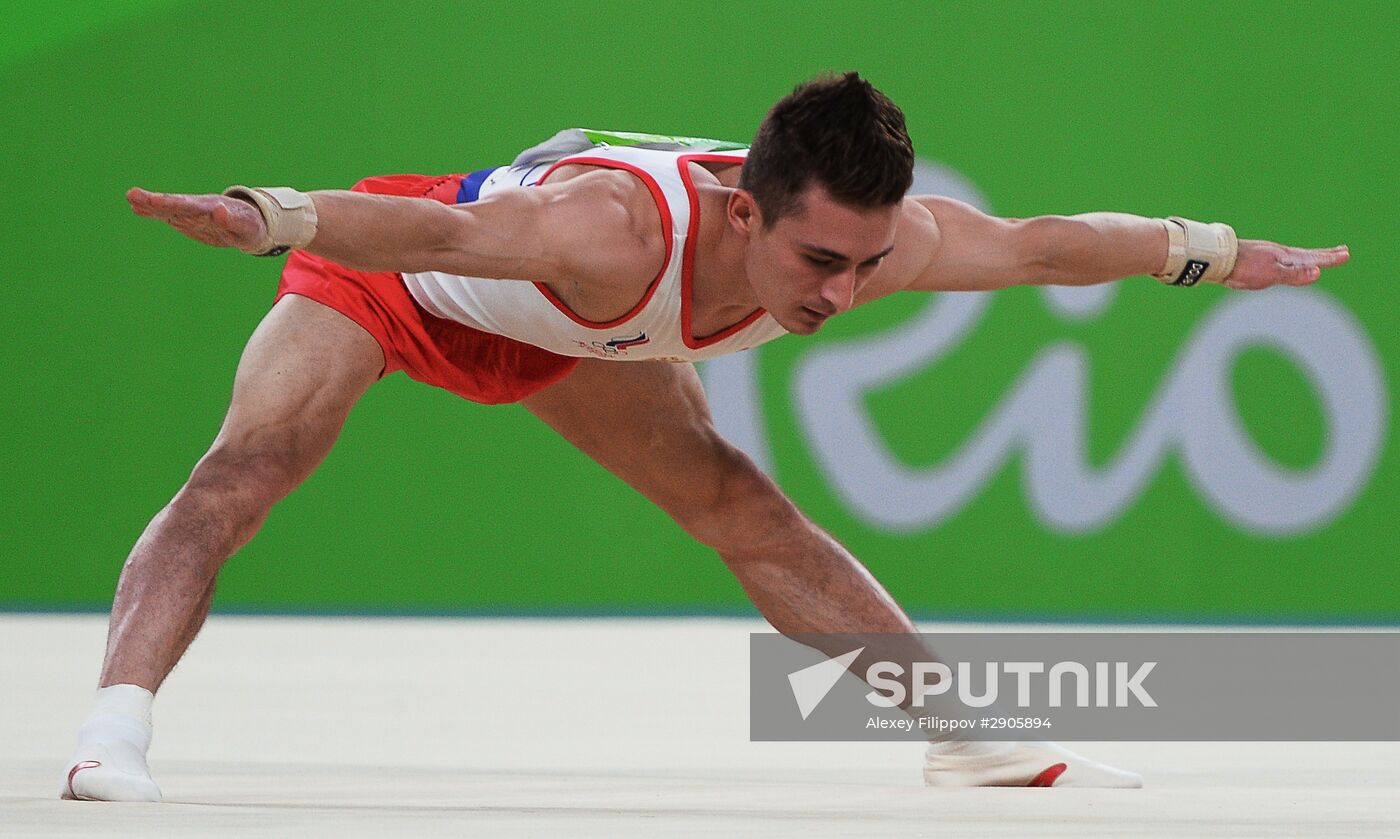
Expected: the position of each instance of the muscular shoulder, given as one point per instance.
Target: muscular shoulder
(608, 224)
(919, 222)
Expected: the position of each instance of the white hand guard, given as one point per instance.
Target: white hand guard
(1198, 252)
(290, 217)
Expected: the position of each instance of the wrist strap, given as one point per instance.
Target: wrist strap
(290, 217)
(1198, 252)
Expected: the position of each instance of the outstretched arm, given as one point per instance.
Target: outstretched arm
(980, 252)
(536, 233)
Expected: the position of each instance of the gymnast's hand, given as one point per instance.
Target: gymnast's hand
(212, 219)
(1263, 264)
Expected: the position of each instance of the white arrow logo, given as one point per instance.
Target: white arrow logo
(810, 685)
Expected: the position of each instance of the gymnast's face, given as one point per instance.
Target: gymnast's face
(812, 262)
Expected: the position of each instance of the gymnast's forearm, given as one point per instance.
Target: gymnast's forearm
(1093, 248)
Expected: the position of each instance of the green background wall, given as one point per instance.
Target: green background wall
(120, 337)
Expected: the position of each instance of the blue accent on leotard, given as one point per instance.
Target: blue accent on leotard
(470, 189)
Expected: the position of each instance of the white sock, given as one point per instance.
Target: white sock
(120, 712)
(967, 748)
(126, 700)
(969, 763)
(109, 763)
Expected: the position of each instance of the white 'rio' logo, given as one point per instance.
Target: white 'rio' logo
(1043, 416)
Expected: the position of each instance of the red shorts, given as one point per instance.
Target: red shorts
(475, 365)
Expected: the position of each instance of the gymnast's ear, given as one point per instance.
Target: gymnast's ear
(744, 214)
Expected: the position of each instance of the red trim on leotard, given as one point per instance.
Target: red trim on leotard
(666, 223)
(688, 257)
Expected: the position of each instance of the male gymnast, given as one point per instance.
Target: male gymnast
(590, 274)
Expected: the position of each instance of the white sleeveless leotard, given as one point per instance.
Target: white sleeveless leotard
(657, 327)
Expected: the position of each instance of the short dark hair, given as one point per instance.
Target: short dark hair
(839, 131)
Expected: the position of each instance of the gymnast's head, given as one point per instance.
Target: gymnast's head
(819, 196)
